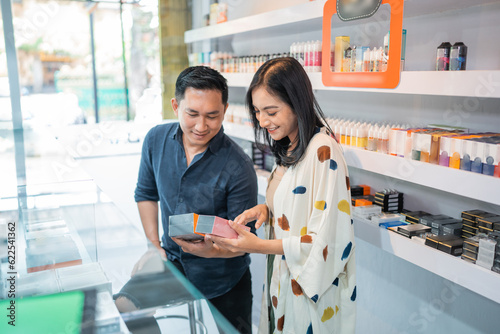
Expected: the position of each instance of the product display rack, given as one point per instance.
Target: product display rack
(463, 183)
(307, 17)
(443, 87)
(443, 83)
(473, 277)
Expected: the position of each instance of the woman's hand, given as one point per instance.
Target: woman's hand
(246, 242)
(259, 212)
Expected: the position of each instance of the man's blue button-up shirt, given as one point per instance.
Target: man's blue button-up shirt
(220, 181)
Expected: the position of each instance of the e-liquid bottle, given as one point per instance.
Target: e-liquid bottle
(458, 57)
(443, 57)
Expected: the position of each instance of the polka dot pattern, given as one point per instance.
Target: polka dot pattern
(333, 165)
(306, 239)
(323, 153)
(336, 282)
(299, 190)
(297, 290)
(310, 329)
(328, 313)
(348, 183)
(344, 207)
(275, 301)
(315, 298)
(353, 296)
(325, 253)
(320, 205)
(303, 231)
(281, 323)
(347, 251)
(283, 223)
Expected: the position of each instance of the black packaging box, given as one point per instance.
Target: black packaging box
(472, 244)
(453, 246)
(440, 223)
(467, 252)
(469, 222)
(357, 191)
(455, 229)
(436, 231)
(484, 230)
(473, 214)
(413, 230)
(427, 220)
(414, 216)
(490, 222)
(434, 240)
(468, 259)
(467, 235)
(469, 229)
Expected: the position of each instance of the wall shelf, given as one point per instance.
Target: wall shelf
(468, 184)
(473, 277)
(463, 183)
(456, 83)
(310, 17)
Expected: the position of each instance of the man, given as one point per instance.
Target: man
(193, 167)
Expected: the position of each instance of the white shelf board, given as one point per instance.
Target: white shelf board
(473, 277)
(479, 84)
(309, 17)
(278, 20)
(463, 183)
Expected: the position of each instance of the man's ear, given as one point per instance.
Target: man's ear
(175, 106)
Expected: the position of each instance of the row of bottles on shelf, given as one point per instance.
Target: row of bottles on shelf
(437, 144)
(343, 58)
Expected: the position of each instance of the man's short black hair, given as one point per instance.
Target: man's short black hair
(202, 78)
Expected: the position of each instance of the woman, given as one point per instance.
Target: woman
(311, 270)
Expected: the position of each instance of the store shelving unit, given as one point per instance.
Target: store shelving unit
(471, 83)
(459, 182)
(473, 277)
(308, 17)
(456, 83)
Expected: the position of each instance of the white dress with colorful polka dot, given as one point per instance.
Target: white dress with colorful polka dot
(312, 288)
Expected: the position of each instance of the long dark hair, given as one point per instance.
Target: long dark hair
(286, 79)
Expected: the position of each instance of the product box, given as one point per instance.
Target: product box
(427, 220)
(452, 246)
(387, 217)
(474, 214)
(471, 223)
(442, 222)
(469, 229)
(216, 226)
(454, 229)
(390, 201)
(492, 222)
(366, 212)
(192, 226)
(468, 259)
(470, 254)
(434, 240)
(184, 227)
(413, 230)
(391, 224)
(414, 216)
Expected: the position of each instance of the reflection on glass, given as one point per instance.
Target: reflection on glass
(53, 42)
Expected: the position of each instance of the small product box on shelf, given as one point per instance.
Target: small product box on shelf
(450, 244)
(413, 230)
(389, 200)
(437, 225)
(427, 220)
(413, 217)
(454, 229)
(492, 223)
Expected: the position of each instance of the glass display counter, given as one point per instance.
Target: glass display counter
(61, 237)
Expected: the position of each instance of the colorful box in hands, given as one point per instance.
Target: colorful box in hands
(191, 226)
